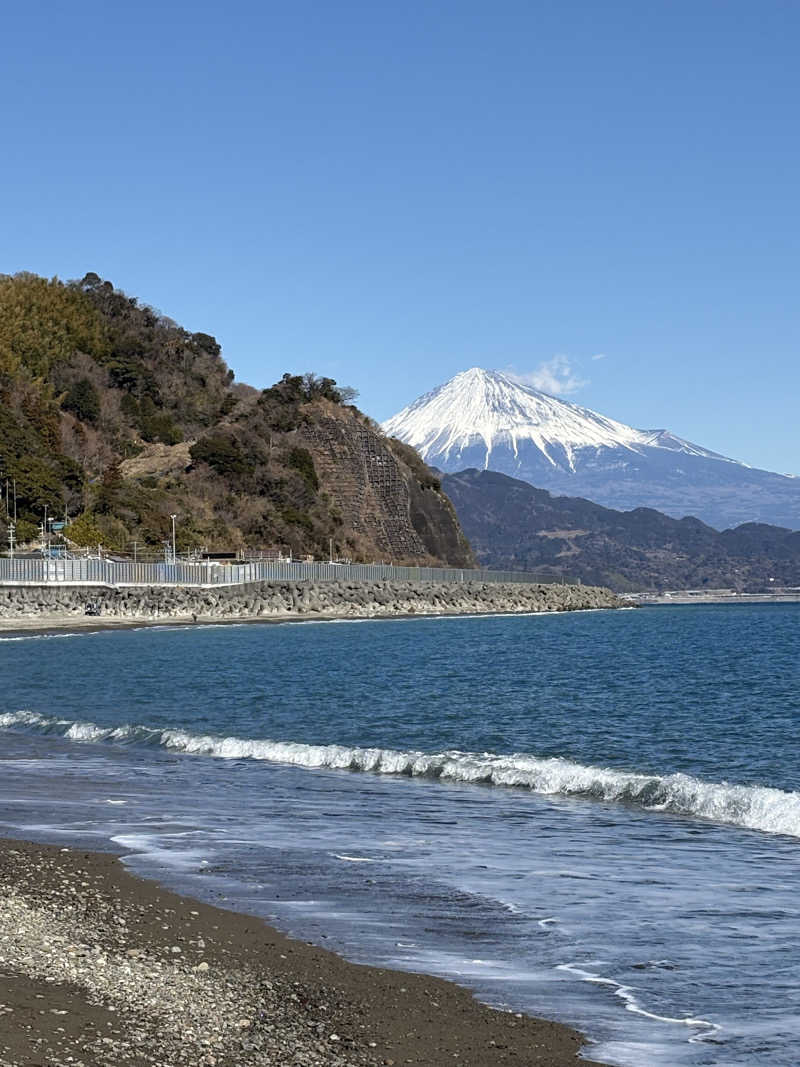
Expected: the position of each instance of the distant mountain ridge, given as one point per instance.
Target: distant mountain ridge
(510, 524)
(487, 420)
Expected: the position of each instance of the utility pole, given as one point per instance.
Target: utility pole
(174, 554)
(12, 531)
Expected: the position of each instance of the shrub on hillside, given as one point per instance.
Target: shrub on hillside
(160, 427)
(298, 518)
(424, 475)
(83, 401)
(301, 460)
(222, 453)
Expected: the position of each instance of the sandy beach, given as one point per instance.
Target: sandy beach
(55, 624)
(100, 969)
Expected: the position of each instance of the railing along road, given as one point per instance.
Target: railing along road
(110, 572)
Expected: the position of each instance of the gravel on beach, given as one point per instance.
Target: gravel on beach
(99, 968)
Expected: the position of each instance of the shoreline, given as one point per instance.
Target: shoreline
(660, 599)
(55, 624)
(110, 969)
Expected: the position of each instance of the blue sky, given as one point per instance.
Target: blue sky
(391, 193)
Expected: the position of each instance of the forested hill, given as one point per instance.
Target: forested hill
(513, 525)
(115, 415)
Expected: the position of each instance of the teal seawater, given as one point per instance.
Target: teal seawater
(593, 816)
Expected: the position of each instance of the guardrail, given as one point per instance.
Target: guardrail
(109, 572)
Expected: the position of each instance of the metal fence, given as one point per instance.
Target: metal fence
(110, 572)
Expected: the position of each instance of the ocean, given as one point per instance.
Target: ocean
(594, 817)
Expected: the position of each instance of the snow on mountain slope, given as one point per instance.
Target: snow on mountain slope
(487, 420)
(490, 407)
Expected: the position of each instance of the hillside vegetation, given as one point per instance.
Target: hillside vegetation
(512, 525)
(116, 416)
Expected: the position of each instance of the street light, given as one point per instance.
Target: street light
(174, 554)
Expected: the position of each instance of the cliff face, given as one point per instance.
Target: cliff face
(120, 418)
(384, 501)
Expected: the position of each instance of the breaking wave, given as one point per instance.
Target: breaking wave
(752, 807)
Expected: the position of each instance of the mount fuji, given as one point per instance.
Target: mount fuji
(487, 420)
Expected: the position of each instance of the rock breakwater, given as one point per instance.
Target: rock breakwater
(278, 600)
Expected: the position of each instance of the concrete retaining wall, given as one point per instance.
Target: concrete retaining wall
(282, 599)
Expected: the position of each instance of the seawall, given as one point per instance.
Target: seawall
(277, 600)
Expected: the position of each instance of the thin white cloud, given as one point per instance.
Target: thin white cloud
(556, 375)
(599, 355)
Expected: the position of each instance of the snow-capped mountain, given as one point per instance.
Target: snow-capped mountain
(486, 419)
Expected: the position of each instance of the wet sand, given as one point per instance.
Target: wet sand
(57, 623)
(99, 968)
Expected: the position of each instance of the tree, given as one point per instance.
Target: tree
(110, 485)
(83, 401)
(222, 453)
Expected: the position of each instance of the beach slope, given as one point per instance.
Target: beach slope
(98, 967)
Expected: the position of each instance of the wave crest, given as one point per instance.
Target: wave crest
(752, 807)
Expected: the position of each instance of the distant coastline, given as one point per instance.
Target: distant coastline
(716, 597)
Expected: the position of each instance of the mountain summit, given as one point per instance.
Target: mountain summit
(487, 420)
(479, 412)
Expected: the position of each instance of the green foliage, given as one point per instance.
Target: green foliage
(153, 423)
(43, 323)
(125, 373)
(108, 490)
(160, 427)
(129, 406)
(26, 531)
(44, 481)
(300, 459)
(298, 518)
(84, 531)
(151, 356)
(83, 401)
(222, 453)
(90, 530)
(424, 475)
(128, 373)
(113, 533)
(283, 404)
(302, 389)
(207, 343)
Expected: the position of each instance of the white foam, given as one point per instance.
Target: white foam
(626, 994)
(48, 637)
(752, 807)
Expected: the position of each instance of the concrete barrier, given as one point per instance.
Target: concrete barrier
(285, 599)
